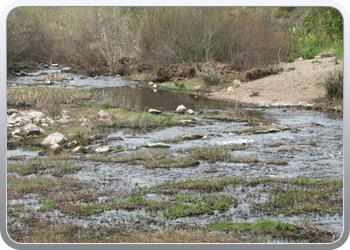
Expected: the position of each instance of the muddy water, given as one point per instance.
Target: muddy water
(137, 98)
(312, 152)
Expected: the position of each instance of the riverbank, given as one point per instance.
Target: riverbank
(296, 84)
(299, 84)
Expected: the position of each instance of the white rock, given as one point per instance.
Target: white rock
(17, 131)
(103, 114)
(14, 115)
(64, 120)
(31, 129)
(236, 82)
(36, 115)
(154, 111)
(181, 109)
(76, 150)
(230, 89)
(12, 111)
(53, 139)
(103, 149)
(55, 149)
(158, 145)
(189, 111)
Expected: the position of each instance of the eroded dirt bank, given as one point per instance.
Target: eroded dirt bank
(297, 85)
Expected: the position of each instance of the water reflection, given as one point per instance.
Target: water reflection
(146, 98)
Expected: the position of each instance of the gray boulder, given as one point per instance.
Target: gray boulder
(31, 129)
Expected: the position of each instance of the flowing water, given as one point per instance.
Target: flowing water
(317, 151)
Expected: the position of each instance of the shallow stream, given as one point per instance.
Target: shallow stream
(312, 152)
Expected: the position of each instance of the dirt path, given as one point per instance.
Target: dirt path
(297, 85)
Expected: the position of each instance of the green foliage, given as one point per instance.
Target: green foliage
(321, 30)
(212, 78)
(108, 106)
(254, 93)
(137, 199)
(207, 204)
(180, 85)
(264, 225)
(47, 205)
(326, 23)
(186, 198)
(183, 210)
(79, 135)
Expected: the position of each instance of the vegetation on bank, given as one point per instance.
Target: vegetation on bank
(130, 40)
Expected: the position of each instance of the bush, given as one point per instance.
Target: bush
(212, 78)
(334, 85)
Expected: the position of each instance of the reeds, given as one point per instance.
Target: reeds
(50, 99)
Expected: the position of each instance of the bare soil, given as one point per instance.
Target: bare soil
(297, 85)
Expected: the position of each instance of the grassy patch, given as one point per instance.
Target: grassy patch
(207, 204)
(164, 158)
(159, 158)
(40, 166)
(277, 161)
(47, 206)
(142, 120)
(304, 196)
(50, 99)
(17, 188)
(218, 232)
(275, 229)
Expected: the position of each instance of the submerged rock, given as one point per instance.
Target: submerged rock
(192, 137)
(186, 122)
(263, 129)
(158, 145)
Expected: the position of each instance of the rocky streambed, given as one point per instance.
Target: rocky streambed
(285, 165)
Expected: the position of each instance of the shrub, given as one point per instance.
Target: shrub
(334, 85)
(213, 78)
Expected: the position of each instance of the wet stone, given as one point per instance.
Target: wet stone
(158, 145)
